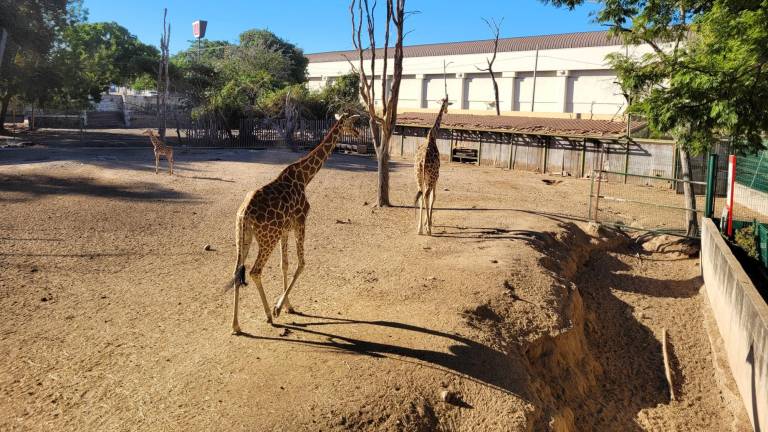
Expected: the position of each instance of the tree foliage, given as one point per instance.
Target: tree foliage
(706, 78)
(253, 78)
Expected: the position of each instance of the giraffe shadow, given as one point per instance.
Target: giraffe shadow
(465, 357)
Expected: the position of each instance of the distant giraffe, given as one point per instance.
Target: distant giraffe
(160, 150)
(427, 167)
(269, 214)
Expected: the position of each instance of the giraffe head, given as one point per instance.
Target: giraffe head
(444, 105)
(347, 123)
(148, 132)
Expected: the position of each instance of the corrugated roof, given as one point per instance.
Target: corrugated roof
(523, 125)
(527, 43)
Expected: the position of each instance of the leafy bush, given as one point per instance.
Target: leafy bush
(747, 240)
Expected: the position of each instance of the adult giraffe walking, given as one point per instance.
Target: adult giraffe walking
(427, 167)
(269, 214)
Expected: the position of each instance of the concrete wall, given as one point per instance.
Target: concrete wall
(742, 318)
(568, 80)
(753, 199)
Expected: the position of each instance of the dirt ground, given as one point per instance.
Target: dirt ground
(114, 317)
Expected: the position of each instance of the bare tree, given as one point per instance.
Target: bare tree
(163, 81)
(495, 30)
(291, 114)
(382, 121)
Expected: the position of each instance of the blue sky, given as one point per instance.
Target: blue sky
(324, 25)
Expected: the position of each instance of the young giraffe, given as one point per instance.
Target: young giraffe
(269, 214)
(160, 150)
(427, 166)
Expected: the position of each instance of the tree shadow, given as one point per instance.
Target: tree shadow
(37, 185)
(466, 358)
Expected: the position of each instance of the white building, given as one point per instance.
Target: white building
(564, 75)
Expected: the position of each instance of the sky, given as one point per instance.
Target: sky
(324, 25)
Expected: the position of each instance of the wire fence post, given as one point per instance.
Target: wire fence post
(709, 207)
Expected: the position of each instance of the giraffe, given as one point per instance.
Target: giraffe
(427, 167)
(160, 150)
(269, 214)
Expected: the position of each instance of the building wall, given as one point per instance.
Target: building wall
(570, 80)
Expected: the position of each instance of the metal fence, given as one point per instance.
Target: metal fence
(751, 188)
(648, 203)
(270, 133)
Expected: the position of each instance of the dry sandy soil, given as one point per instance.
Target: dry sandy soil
(114, 316)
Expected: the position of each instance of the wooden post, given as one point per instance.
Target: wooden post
(480, 149)
(546, 155)
(583, 155)
(599, 180)
(402, 141)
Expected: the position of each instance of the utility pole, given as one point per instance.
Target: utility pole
(445, 80)
(535, 68)
(198, 30)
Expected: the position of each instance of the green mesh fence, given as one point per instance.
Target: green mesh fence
(752, 171)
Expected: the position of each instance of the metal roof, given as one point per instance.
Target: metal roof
(526, 43)
(522, 125)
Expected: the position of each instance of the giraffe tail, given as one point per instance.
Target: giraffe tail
(238, 278)
(416, 201)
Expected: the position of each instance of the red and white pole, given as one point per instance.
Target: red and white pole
(729, 195)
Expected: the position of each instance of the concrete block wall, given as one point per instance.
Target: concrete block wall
(742, 318)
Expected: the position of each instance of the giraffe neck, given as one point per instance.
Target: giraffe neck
(305, 168)
(432, 136)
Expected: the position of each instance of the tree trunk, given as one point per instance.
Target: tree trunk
(3, 40)
(691, 221)
(4, 110)
(496, 94)
(381, 144)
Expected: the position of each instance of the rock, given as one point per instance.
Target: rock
(207, 248)
(365, 203)
(44, 299)
(448, 396)
(494, 261)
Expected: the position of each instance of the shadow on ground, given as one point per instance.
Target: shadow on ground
(23, 187)
(466, 358)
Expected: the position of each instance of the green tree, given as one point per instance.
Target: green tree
(706, 77)
(342, 95)
(94, 55)
(266, 41)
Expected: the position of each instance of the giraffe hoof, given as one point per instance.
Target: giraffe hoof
(275, 312)
(236, 330)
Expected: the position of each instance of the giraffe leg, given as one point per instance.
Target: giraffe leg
(265, 249)
(422, 201)
(299, 233)
(430, 209)
(284, 268)
(157, 162)
(170, 163)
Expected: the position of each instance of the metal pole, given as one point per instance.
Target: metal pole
(535, 68)
(709, 206)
